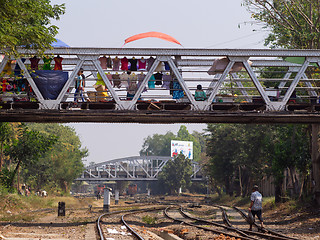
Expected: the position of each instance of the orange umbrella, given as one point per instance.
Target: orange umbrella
(151, 34)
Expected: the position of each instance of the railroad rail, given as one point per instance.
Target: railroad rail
(266, 230)
(244, 94)
(263, 232)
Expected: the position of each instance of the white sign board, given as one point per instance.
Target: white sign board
(184, 147)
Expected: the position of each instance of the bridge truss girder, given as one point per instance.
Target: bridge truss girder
(178, 59)
(137, 168)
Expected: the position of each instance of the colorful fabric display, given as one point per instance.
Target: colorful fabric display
(166, 81)
(158, 77)
(150, 61)
(109, 62)
(141, 77)
(116, 80)
(34, 62)
(103, 62)
(166, 66)
(47, 63)
(177, 92)
(116, 64)
(17, 69)
(142, 64)
(124, 77)
(132, 88)
(151, 82)
(57, 63)
(124, 64)
(133, 64)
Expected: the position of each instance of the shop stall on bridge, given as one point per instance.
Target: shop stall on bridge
(160, 79)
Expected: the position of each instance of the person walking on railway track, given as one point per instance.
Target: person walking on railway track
(256, 206)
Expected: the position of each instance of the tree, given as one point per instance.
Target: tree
(224, 149)
(6, 133)
(157, 145)
(28, 148)
(62, 164)
(292, 23)
(176, 173)
(28, 24)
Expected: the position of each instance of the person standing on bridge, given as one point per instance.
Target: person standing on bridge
(79, 86)
(256, 205)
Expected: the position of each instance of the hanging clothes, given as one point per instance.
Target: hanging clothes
(47, 63)
(34, 62)
(141, 77)
(103, 62)
(151, 82)
(116, 80)
(17, 69)
(133, 64)
(150, 61)
(57, 63)
(158, 78)
(142, 64)
(109, 62)
(166, 66)
(167, 78)
(116, 64)
(124, 64)
(124, 77)
(132, 88)
(177, 92)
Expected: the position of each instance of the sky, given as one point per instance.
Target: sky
(107, 23)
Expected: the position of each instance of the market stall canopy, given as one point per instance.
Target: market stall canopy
(151, 34)
(58, 43)
(219, 65)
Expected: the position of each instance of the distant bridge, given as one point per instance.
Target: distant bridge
(234, 95)
(138, 168)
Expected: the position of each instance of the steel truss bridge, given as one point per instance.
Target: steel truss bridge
(233, 97)
(138, 168)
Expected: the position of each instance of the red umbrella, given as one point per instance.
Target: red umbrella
(152, 34)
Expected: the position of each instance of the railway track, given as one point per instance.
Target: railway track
(263, 233)
(127, 220)
(119, 218)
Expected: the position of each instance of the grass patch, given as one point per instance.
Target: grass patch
(149, 220)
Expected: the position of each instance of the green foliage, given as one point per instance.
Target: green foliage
(149, 220)
(241, 155)
(160, 145)
(6, 179)
(28, 147)
(293, 23)
(49, 156)
(157, 145)
(62, 164)
(176, 174)
(28, 23)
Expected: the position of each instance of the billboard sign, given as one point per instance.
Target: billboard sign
(184, 147)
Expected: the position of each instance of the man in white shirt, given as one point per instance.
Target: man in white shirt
(256, 205)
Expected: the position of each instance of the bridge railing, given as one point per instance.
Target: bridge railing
(270, 80)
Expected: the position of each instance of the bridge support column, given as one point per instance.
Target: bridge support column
(106, 199)
(316, 162)
(116, 196)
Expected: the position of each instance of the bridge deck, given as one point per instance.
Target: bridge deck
(227, 113)
(241, 85)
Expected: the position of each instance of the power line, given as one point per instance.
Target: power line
(233, 40)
